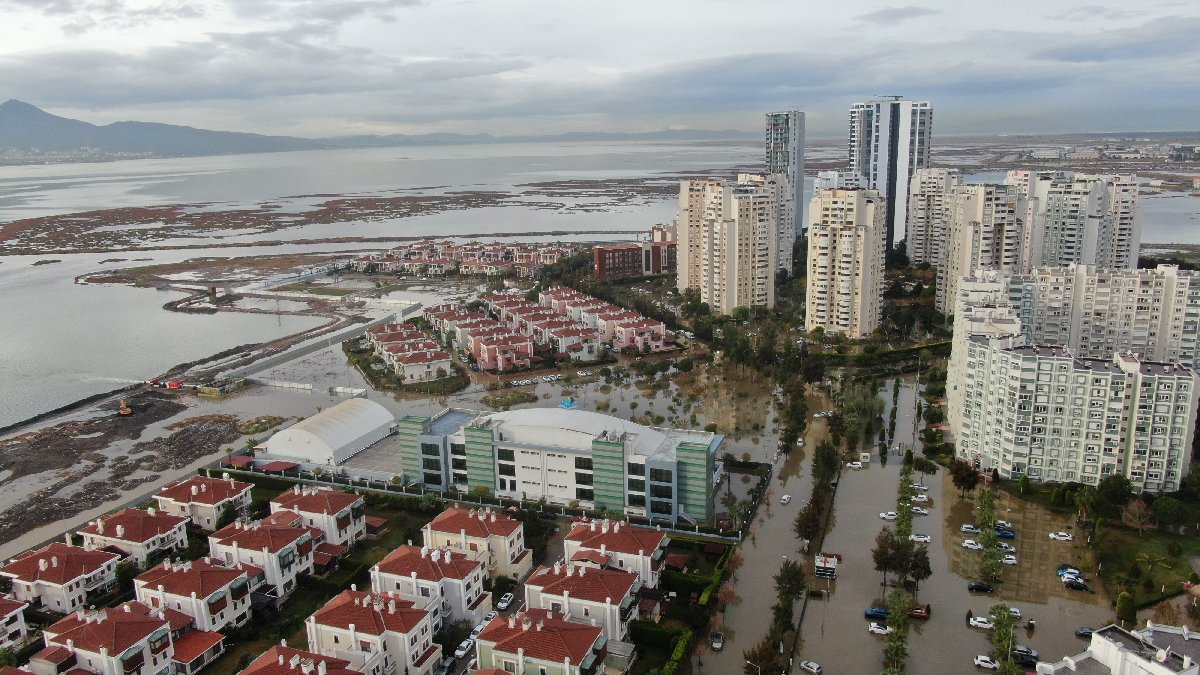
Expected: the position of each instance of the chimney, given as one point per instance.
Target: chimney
(67, 538)
(493, 516)
(126, 608)
(204, 487)
(539, 625)
(512, 621)
(617, 527)
(120, 531)
(582, 570)
(604, 526)
(424, 551)
(43, 565)
(354, 587)
(391, 606)
(556, 569)
(526, 622)
(100, 525)
(195, 490)
(321, 668)
(152, 512)
(54, 561)
(570, 569)
(592, 526)
(224, 475)
(436, 555)
(281, 658)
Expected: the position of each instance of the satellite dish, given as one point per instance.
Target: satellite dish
(1161, 655)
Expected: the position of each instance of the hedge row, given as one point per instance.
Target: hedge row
(680, 654)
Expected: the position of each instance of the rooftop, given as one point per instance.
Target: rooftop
(477, 523)
(115, 629)
(281, 660)
(305, 499)
(617, 536)
(203, 490)
(202, 577)
(582, 582)
(57, 563)
(542, 634)
(428, 564)
(134, 525)
(258, 536)
(370, 613)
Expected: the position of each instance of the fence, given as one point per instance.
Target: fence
(306, 348)
(280, 383)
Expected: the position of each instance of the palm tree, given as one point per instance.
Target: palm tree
(1085, 501)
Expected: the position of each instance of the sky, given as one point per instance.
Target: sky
(339, 67)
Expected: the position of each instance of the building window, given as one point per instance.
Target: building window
(431, 464)
(584, 463)
(637, 500)
(585, 494)
(583, 478)
(635, 469)
(431, 449)
(458, 464)
(661, 491)
(662, 475)
(637, 485)
(507, 469)
(433, 479)
(505, 454)
(660, 507)
(458, 449)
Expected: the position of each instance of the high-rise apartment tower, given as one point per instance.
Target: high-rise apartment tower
(889, 140)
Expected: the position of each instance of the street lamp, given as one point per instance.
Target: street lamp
(755, 665)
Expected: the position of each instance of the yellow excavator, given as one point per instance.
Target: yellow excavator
(124, 409)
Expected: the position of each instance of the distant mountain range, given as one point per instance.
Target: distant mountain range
(28, 133)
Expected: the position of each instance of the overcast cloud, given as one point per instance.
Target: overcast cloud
(333, 67)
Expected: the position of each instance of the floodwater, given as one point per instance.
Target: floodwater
(1031, 586)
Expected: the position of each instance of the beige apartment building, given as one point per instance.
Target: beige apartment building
(845, 262)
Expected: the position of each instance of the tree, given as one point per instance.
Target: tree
(884, 552)
(7, 658)
(763, 657)
(1137, 514)
(228, 514)
(965, 477)
(789, 580)
(919, 568)
(1003, 638)
(1126, 610)
(924, 467)
(1023, 484)
(1169, 511)
(1113, 493)
(895, 644)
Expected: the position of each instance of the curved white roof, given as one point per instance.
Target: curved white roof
(577, 428)
(332, 429)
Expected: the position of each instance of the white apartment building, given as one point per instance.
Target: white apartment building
(1156, 649)
(784, 149)
(60, 577)
(283, 553)
(124, 640)
(378, 633)
(728, 247)
(483, 535)
(985, 230)
(890, 139)
(539, 641)
(929, 208)
(599, 596)
(214, 595)
(13, 630)
(204, 499)
(1043, 412)
(1094, 312)
(447, 583)
(342, 516)
(139, 533)
(835, 180)
(618, 546)
(983, 310)
(1080, 219)
(845, 262)
(283, 660)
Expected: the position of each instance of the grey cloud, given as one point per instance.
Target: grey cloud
(896, 14)
(1087, 12)
(1164, 38)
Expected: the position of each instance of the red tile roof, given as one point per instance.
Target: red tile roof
(193, 645)
(9, 607)
(449, 565)
(326, 553)
(9, 670)
(63, 563)
(543, 635)
(257, 536)
(316, 500)
(586, 555)
(620, 537)
(115, 629)
(278, 466)
(134, 525)
(477, 523)
(208, 490)
(202, 577)
(423, 357)
(280, 660)
(595, 585)
(54, 654)
(371, 613)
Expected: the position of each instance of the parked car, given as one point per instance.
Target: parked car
(1025, 651)
(970, 529)
(919, 538)
(1005, 534)
(1007, 548)
(785, 499)
(854, 465)
(1004, 524)
(920, 486)
(1061, 536)
(919, 511)
(487, 618)
(1067, 570)
(718, 641)
(979, 587)
(478, 629)
(818, 416)
(811, 667)
(1084, 632)
(505, 601)
(582, 373)
(877, 628)
(919, 612)
(985, 661)
(981, 622)
(889, 515)
(1014, 612)
(1009, 559)
(446, 666)
(880, 613)
(920, 498)
(1075, 584)
(464, 648)
(1025, 660)
(972, 545)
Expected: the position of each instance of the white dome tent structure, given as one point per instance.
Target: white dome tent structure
(332, 436)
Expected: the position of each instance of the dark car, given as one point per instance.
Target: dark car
(1027, 651)
(718, 641)
(876, 613)
(919, 612)
(1084, 632)
(1025, 660)
(1075, 585)
(447, 666)
(1005, 534)
(979, 587)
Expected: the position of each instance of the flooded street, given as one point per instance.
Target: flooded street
(943, 643)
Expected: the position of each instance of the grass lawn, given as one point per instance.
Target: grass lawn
(649, 659)
(1038, 493)
(1122, 550)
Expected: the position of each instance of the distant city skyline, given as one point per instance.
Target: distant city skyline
(341, 67)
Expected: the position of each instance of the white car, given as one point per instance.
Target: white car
(918, 511)
(582, 373)
(920, 498)
(811, 667)
(889, 515)
(1009, 559)
(505, 601)
(920, 538)
(969, 529)
(920, 486)
(854, 465)
(785, 499)
(985, 661)
(878, 628)
(1061, 536)
(478, 629)
(1004, 524)
(817, 416)
(464, 648)
(1014, 612)
(1006, 547)
(972, 545)
(981, 622)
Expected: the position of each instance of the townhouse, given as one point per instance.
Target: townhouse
(60, 577)
(214, 595)
(379, 634)
(13, 631)
(504, 352)
(641, 334)
(576, 341)
(340, 515)
(282, 552)
(204, 500)
(619, 546)
(484, 535)
(283, 660)
(139, 534)
(541, 641)
(447, 583)
(123, 640)
(595, 595)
